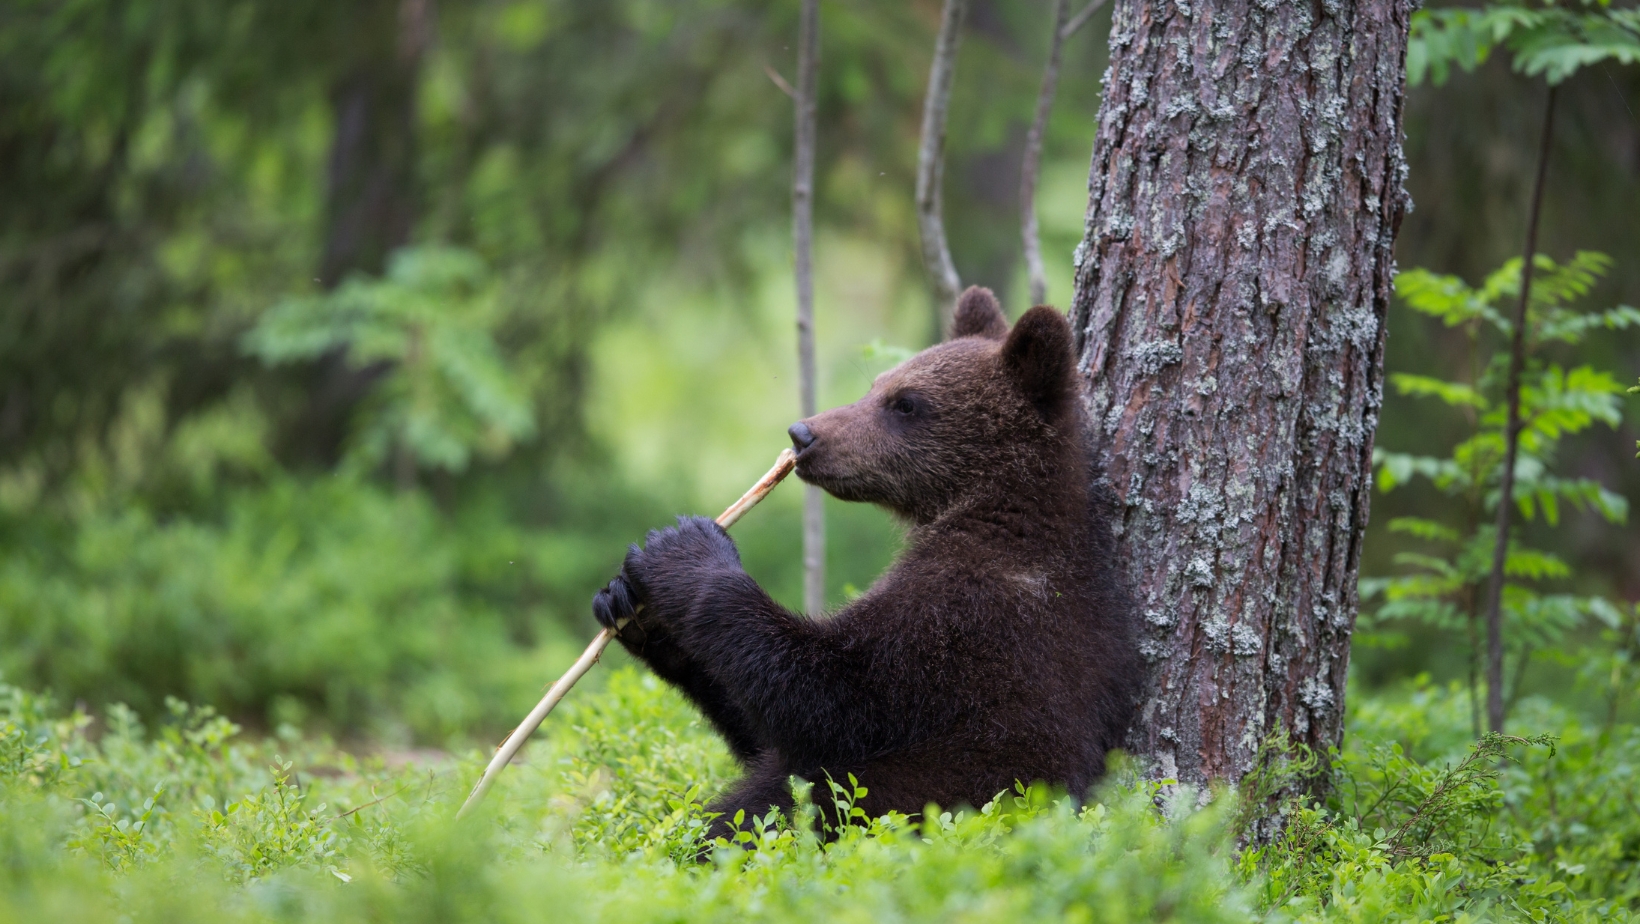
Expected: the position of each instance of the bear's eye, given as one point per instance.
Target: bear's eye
(903, 406)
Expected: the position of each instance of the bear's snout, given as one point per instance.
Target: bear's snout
(802, 436)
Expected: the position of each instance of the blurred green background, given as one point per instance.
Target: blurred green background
(343, 347)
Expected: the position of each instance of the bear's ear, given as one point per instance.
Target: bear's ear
(1037, 357)
(979, 315)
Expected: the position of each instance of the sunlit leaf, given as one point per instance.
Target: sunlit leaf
(1456, 394)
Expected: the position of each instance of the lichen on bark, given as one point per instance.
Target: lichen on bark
(1231, 288)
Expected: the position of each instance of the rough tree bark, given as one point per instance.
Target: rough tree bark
(1231, 288)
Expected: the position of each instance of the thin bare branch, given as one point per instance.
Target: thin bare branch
(1032, 163)
(1080, 19)
(931, 161)
(1511, 437)
(779, 81)
(377, 801)
(808, 75)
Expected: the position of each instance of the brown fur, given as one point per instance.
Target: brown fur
(1000, 647)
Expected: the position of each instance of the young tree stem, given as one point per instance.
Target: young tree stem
(1032, 162)
(936, 252)
(1511, 439)
(1031, 165)
(808, 67)
(1080, 19)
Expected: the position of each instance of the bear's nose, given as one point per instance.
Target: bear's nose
(802, 436)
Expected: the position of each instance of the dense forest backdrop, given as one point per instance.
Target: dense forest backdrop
(343, 347)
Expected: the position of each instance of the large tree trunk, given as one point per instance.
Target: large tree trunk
(370, 194)
(370, 198)
(1231, 290)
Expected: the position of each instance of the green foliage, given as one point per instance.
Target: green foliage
(270, 830)
(430, 322)
(1425, 824)
(1444, 588)
(1552, 41)
(332, 601)
(639, 769)
(1028, 855)
(602, 822)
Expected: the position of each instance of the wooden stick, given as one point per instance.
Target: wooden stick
(510, 747)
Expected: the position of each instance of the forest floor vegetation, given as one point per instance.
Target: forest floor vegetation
(189, 819)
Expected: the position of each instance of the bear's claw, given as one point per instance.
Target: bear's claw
(614, 602)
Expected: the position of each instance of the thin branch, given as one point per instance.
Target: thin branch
(1031, 166)
(376, 801)
(779, 81)
(808, 75)
(1080, 19)
(1474, 665)
(1520, 679)
(1511, 436)
(1477, 765)
(931, 161)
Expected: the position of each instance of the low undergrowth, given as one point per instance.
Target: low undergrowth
(189, 820)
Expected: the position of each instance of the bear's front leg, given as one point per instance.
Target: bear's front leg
(806, 686)
(649, 635)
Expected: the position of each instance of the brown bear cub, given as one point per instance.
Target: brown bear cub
(999, 648)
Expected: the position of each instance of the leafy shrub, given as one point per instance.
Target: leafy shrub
(429, 322)
(329, 601)
(1424, 824)
(1447, 572)
(191, 821)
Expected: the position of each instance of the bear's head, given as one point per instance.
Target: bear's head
(988, 406)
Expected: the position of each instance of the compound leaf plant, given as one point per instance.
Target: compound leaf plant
(428, 324)
(1444, 587)
(1550, 40)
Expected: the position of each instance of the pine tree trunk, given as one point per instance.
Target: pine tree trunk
(370, 195)
(1231, 290)
(370, 199)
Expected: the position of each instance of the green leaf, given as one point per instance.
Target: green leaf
(1423, 529)
(1441, 39)
(1439, 567)
(1395, 469)
(1445, 297)
(1551, 42)
(1456, 394)
(1557, 43)
(1534, 565)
